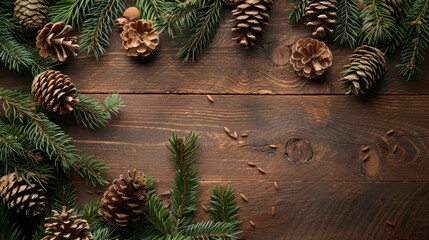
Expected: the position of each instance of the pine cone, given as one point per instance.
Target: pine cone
(140, 39)
(66, 226)
(54, 38)
(21, 196)
(366, 66)
(123, 202)
(31, 14)
(250, 17)
(310, 57)
(54, 91)
(130, 14)
(321, 14)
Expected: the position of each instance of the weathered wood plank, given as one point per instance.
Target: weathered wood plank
(224, 68)
(319, 138)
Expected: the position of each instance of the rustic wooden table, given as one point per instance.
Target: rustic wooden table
(325, 190)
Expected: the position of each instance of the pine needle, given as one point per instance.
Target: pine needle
(348, 23)
(151, 9)
(297, 11)
(71, 12)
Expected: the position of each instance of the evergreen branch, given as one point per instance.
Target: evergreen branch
(223, 206)
(9, 146)
(416, 42)
(297, 11)
(98, 25)
(64, 193)
(183, 189)
(92, 114)
(90, 169)
(71, 12)
(348, 23)
(194, 42)
(211, 230)
(104, 232)
(29, 172)
(13, 54)
(151, 9)
(178, 16)
(8, 229)
(158, 217)
(378, 25)
(40, 232)
(90, 211)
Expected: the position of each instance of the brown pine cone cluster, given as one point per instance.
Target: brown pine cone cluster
(64, 225)
(31, 14)
(140, 39)
(55, 39)
(124, 201)
(366, 67)
(130, 14)
(321, 14)
(21, 196)
(310, 57)
(250, 17)
(54, 91)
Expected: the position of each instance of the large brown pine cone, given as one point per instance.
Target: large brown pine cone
(250, 17)
(64, 225)
(54, 39)
(31, 14)
(124, 201)
(321, 14)
(54, 91)
(310, 57)
(21, 196)
(366, 67)
(140, 39)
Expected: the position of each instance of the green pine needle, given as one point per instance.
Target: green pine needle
(178, 16)
(9, 229)
(211, 230)
(151, 9)
(223, 206)
(297, 11)
(98, 26)
(89, 211)
(64, 193)
(348, 23)
(158, 217)
(71, 12)
(14, 55)
(416, 25)
(193, 43)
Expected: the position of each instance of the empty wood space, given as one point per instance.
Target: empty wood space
(327, 187)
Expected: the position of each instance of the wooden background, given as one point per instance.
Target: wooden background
(325, 190)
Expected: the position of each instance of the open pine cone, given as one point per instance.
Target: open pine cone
(66, 226)
(366, 67)
(130, 14)
(321, 14)
(123, 202)
(54, 39)
(31, 14)
(310, 57)
(140, 39)
(54, 91)
(21, 196)
(250, 17)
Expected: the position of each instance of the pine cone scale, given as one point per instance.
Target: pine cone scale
(55, 39)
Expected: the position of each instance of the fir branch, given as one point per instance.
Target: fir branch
(64, 193)
(89, 211)
(378, 25)
(194, 42)
(92, 114)
(178, 16)
(151, 9)
(13, 54)
(96, 29)
(223, 206)
(90, 169)
(211, 230)
(104, 232)
(158, 217)
(348, 23)
(8, 229)
(71, 12)
(297, 11)
(416, 25)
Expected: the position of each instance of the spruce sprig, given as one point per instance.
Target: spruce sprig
(98, 25)
(71, 12)
(151, 9)
(416, 25)
(348, 23)
(297, 11)
(64, 193)
(193, 43)
(223, 207)
(9, 229)
(178, 16)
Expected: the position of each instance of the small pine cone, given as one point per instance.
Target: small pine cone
(250, 17)
(140, 39)
(367, 65)
(31, 14)
(66, 226)
(124, 201)
(54, 91)
(130, 14)
(54, 39)
(321, 14)
(21, 196)
(310, 57)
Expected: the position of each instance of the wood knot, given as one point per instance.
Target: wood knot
(280, 55)
(298, 150)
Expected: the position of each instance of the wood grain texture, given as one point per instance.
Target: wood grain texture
(225, 68)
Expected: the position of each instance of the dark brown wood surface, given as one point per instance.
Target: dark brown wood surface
(325, 189)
